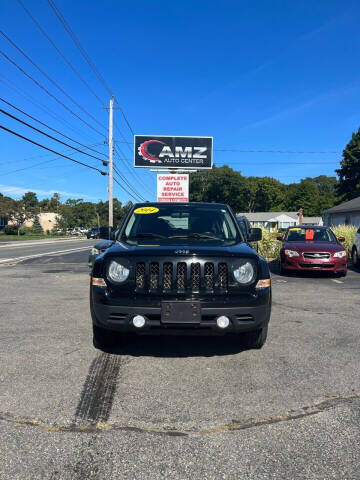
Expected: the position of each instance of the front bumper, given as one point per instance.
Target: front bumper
(333, 264)
(246, 313)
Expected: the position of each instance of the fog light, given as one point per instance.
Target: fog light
(223, 322)
(139, 321)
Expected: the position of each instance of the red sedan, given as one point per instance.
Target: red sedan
(312, 248)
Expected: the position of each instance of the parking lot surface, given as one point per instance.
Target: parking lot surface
(176, 407)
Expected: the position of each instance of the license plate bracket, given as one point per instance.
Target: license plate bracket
(181, 312)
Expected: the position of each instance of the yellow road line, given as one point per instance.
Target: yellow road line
(336, 281)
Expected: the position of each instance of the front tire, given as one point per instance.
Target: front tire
(355, 257)
(255, 339)
(104, 338)
(282, 270)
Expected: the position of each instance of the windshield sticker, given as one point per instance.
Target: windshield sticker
(309, 234)
(146, 210)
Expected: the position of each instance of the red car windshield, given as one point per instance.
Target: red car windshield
(302, 234)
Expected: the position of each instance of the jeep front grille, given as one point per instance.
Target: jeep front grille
(167, 275)
(140, 275)
(181, 276)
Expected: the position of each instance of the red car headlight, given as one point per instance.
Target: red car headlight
(291, 253)
(341, 254)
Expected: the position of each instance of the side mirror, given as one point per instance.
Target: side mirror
(280, 238)
(341, 239)
(255, 235)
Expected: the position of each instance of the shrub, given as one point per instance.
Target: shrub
(29, 231)
(12, 230)
(269, 247)
(347, 231)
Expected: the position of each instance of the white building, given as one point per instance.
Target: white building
(272, 221)
(347, 213)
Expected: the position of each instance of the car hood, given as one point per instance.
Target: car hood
(309, 246)
(187, 248)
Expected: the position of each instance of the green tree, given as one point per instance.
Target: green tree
(54, 203)
(327, 188)
(304, 195)
(18, 215)
(222, 185)
(37, 225)
(30, 200)
(270, 195)
(349, 171)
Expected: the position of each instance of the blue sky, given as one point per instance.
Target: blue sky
(265, 75)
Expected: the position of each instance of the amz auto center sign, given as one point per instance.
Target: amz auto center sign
(172, 188)
(173, 152)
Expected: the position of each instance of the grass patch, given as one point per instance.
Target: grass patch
(16, 238)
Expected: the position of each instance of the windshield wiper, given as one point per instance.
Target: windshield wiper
(147, 235)
(198, 236)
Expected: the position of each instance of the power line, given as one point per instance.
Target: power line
(79, 46)
(137, 178)
(274, 151)
(50, 79)
(50, 136)
(29, 167)
(60, 52)
(288, 164)
(50, 128)
(51, 150)
(128, 184)
(263, 151)
(41, 106)
(38, 156)
(121, 186)
(86, 57)
(49, 93)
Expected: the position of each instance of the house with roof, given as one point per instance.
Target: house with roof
(272, 221)
(347, 213)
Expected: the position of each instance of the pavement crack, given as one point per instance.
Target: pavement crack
(332, 401)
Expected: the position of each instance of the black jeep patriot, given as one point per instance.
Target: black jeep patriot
(178, 268)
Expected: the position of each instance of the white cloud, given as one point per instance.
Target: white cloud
(15, 191)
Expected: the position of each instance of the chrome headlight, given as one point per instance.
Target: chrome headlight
(245, 274)
(340, 254)
(291, 253)
(117, 272)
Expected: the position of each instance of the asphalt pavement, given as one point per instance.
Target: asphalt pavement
(20, 250)
(176, 407)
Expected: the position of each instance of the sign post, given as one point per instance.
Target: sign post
(172, 187)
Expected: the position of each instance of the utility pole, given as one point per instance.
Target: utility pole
(111, 152)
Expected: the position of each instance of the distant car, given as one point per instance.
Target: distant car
(312, 248)
(355, 252)
(94, 232)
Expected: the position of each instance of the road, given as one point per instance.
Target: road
(179, 408)
(19, 250)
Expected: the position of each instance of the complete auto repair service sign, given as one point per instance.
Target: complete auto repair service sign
(173, 152)
(172, 188)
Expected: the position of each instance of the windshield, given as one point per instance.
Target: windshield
(301, 234)
(199, 222)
